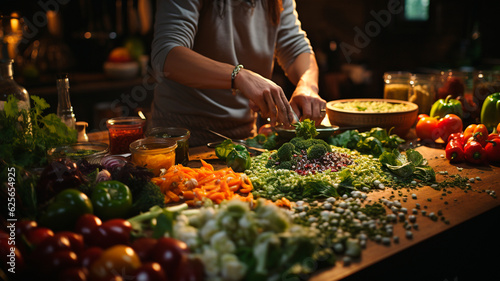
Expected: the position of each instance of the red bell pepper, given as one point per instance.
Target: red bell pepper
(474, 152)
(493, 136)
(454, 151)
(457, 137)
(479, 131)
(492, 150)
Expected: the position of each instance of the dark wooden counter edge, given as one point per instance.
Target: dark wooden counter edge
(459, 207)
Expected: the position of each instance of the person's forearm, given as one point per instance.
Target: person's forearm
(189, 68)
(304, 71)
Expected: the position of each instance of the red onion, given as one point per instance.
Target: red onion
(111, 162)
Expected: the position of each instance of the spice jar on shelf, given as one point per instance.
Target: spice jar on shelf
(422, 92)
(397, 85)
(123, 131)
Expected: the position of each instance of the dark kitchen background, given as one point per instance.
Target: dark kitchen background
(355, 42)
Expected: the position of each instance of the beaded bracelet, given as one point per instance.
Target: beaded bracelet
(236, 70)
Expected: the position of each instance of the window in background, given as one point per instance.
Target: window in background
(417, 10)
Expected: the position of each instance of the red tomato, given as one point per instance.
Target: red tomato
(143, 247)
(110, 233)
(171, 254)
(54, 263)
(49, 246)
(192, 271)
(150, 271)
(75, 240)
(420, 116)
(448, 125)
(86, 224)
(74, 274)
(88, 256)
(426, 129)
(23, 226)
(36, 235)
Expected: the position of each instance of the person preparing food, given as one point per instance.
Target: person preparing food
(215, 59)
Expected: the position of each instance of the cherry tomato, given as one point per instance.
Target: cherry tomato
(171, 254)
(143, 247)
(150, 271)
(110, 233)
(86, 224)
(49, 246)
(24, 226)
(191, 271)
(89, 255)
(54, 263)
(75, 240)
(448, 125)
(73, 274)
(117, 260)
(426, 129)
(36, 235)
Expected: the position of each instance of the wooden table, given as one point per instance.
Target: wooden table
(440, 250)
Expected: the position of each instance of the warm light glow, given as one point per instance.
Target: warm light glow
(480, 76)
(141, 115)
(14, 22)
(87, 35)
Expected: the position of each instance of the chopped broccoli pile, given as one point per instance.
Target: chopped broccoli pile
(316, 151)
(150, 195)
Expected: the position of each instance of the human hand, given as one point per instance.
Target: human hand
(307, 101)
(265, 96)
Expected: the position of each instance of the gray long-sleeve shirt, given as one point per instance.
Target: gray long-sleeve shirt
(230, 31)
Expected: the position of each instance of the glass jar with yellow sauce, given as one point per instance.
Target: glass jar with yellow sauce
(153, 153)
(397, 85)
(423, 91)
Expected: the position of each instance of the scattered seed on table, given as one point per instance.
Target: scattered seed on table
(478, 178)
(412, 218)
(414, 196)
(409, 234)
(346, 260)
(395, 239)
(472, 180)
(386, 241)
(415, 226)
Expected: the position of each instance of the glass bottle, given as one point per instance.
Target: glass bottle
(64, 108)
(397, 85)
(8, 86)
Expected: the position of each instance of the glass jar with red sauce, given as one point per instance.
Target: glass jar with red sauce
(123, 131)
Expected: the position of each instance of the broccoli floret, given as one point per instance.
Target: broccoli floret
(306, 129)
(150, 195)
(285, 152)
(285, 165)
(322, 142)
(316, 151)
(301, 144)
(272, 160)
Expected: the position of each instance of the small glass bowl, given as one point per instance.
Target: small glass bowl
(89, 151)
(123, 131)
(153, 153)
(180, 135)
